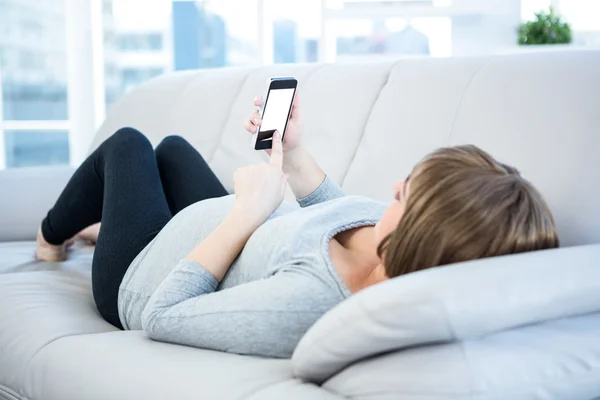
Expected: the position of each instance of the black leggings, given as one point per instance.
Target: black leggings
(134, 191)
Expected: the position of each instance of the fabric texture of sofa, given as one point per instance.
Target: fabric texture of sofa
(516, 327)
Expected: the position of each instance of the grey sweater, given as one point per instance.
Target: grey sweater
(280, 284)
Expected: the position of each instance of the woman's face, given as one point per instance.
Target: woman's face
(394, 212)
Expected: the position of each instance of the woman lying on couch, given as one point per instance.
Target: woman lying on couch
(249, 273)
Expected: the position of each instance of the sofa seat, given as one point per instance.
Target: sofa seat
(56, 333)
(128, 365)
(19, 257)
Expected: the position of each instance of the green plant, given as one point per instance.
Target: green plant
(547, 28)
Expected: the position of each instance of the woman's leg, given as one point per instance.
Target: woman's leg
(185, 176)
(119, 184)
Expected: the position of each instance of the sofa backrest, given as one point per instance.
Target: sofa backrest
(368, 124)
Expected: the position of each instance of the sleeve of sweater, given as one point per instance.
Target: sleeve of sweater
(266, 317)
(328, 190)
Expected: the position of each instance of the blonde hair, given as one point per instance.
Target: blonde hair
(464, 205)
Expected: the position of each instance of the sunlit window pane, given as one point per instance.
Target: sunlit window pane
(351, 3)
(390, 38)
(33, 60)
(150, 38)
(36, 148)
(584, 15)
(296, 29)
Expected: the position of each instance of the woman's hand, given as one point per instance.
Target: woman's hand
(305, 175)
(293, 132)
(259, 189)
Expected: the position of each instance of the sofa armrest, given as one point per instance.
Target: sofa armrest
(26, 195)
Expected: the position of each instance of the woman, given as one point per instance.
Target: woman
(248, 273)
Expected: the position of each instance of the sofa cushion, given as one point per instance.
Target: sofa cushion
(41, 303)
(452, 303)
(128, 365)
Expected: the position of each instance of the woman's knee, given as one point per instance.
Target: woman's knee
(171, 146)
(128, 138)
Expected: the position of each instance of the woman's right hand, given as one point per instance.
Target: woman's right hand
(259, 189)
(293, 131)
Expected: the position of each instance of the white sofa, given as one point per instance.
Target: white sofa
(516, 327)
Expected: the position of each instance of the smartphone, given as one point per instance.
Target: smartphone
(276, 110)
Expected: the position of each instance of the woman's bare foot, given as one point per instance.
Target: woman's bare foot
(90, 234)
(45, 251)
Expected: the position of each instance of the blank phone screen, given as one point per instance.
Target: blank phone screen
(276, 112)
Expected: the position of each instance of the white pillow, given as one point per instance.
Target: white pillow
(451, 303)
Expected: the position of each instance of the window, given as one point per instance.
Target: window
(143, 39)
(33, 82)
(177, 35)
(34, 101)
(392, 38)
(155, 41)
(385, 3)
(296, 30)
(5, 57)
(36, 148)
(150, 41)
(359, 30)
(31, 29)
(214, 34)
(390, 29)
(107, 7)
(132, 77)
(582, 14)
(530, 7)
(32, 61)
